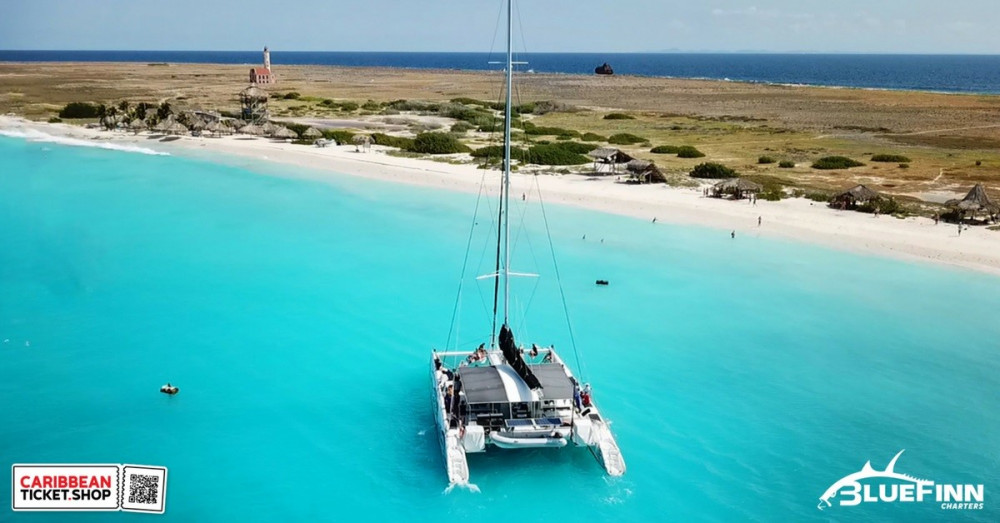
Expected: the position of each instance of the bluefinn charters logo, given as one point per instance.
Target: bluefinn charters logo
(853, 489)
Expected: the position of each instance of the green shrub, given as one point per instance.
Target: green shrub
(437, 143)
(554, 154)
(885, 206)
(535, 130)
(890, 158)
(817, 196)
(618, 116)
(712, 170)
(687, 151)
(773, 188)
(348, 107)
(665, 149)
(470, 101)
(495, 152)
(593, 137)
(79, 110)
(341, 136)
(292, 96)
(371, 105)
(786, 164)
(625, 139)
(461, 127)
(405, 144)
(765, 160)
(904, 166)
(328, 103)
(575, 147)
(835, 162)
(55, 120)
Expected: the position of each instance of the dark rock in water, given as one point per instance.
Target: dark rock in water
(604, 69)
(602, 282)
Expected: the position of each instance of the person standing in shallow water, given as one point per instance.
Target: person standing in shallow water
(759, 219)
(733, 234)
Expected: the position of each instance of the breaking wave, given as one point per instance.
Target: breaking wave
(33, 135)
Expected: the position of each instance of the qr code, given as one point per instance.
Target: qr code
(143, 489)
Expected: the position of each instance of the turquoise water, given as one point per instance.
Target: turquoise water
(744, 377)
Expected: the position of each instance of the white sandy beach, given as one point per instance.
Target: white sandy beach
(914, 239)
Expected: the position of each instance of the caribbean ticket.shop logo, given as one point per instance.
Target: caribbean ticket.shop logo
(103, 487)
(888, 486)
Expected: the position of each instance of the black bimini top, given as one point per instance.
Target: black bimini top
(502, 384)
(555, 382)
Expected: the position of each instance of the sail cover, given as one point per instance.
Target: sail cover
(515, 360)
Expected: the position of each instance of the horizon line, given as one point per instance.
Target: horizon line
(678, 51)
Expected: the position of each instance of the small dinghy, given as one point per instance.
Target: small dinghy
(169, 389)
(512, 442)
(602, 282)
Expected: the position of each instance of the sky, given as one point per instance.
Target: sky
(846, 26)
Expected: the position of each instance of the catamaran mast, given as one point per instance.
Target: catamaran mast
(505, 197)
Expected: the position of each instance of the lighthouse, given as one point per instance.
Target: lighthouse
(267, 59)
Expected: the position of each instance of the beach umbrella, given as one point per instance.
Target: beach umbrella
(237, 124)
(312, 133)
(284, 132)
(196, 124)
(253, 129)
(271, 128)
(175, 128)
(216, 127)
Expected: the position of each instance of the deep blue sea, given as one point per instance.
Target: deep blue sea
(946, 73)
(296, 313)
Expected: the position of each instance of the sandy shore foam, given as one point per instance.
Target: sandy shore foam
(913, 239)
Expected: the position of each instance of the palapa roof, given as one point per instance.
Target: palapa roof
(253, 92)
(284, 132)
(638, 166)
(361, 139)
(858, 193)
(610, 153)
(976, 200)
(739, 184)
(254, 129)
(216, 127)
(312, 132)
(176, 127)
(137, 125)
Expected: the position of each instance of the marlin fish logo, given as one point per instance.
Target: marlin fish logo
(867, 472)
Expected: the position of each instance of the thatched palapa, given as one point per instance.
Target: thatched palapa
(284, 133)
(312, 133)
(976, 200)
(606, 159)
(644, 171)
(738, 188)
(855, 195)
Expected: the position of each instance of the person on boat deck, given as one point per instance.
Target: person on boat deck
(534, 350)
(577, 397)
(548, 355)
(585, 395)
(449, 398)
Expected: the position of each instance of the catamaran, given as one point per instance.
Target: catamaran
(501, 396)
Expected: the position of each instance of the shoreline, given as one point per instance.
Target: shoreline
(725, 80)
(914, 239)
